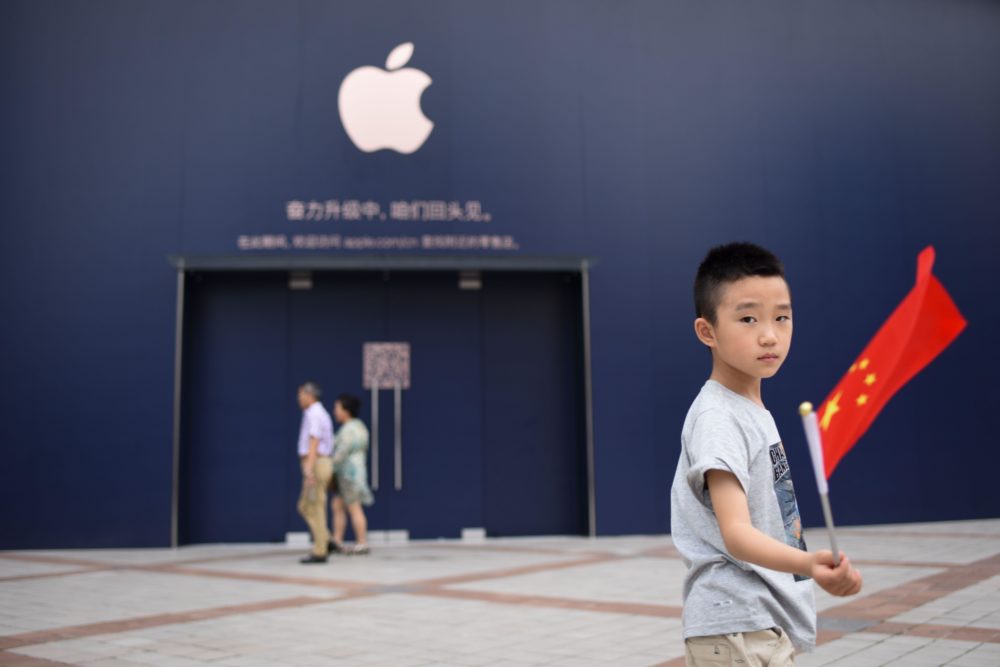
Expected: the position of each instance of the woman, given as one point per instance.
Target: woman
(350, 472)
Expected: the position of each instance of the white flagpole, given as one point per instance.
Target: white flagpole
(813, 437)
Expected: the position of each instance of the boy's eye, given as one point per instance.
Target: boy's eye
(784, 318)
(749, 319)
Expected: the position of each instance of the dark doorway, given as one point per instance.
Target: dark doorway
(492, 426)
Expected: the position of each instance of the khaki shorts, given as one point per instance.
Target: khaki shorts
(764, 648)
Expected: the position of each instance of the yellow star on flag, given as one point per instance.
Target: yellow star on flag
(864, 364)
(870, 379)
(831, 409)
(861, 400)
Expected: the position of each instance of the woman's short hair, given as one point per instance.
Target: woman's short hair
(350, 403)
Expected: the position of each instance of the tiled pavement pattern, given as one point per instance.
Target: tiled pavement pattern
(932, 597)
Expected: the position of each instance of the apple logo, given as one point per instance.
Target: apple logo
(380, 108)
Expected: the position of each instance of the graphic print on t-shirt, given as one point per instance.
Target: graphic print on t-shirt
(785, 492)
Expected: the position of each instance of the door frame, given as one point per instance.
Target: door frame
(298, 263)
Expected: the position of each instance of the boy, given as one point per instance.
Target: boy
(734, 517)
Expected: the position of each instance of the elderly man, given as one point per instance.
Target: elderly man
(315, 450)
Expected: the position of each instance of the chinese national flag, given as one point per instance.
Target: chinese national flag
(923, 325)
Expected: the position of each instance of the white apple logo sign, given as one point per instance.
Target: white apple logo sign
(380, 108)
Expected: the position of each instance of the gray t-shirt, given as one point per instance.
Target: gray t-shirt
(726, 431)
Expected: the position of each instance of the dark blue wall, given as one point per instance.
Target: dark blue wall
(844, 135)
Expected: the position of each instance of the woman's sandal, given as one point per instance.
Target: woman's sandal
(358, 550)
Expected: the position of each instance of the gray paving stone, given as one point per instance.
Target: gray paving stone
(534, 601)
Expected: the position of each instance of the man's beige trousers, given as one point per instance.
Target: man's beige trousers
(312, 504)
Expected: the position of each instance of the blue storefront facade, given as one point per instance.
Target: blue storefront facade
(574, 160)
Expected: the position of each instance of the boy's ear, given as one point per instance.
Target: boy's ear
(705, 332)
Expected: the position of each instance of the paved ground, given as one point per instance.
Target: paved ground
(932, 597)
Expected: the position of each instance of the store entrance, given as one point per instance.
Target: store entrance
(491, 428)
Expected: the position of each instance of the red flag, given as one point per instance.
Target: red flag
(923, 325)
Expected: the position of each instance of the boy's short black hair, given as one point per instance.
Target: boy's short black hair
(350, 403)
(727, 264)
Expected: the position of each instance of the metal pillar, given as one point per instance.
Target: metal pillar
(374, 472)
(399, 436)
(588, 400)
(178, 365)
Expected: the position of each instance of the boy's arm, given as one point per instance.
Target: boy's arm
(746, 543)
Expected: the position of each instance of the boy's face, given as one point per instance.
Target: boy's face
(753, 326)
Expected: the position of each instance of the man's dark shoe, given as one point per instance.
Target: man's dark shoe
(313, 558)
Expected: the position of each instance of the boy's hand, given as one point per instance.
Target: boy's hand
(840, 580)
